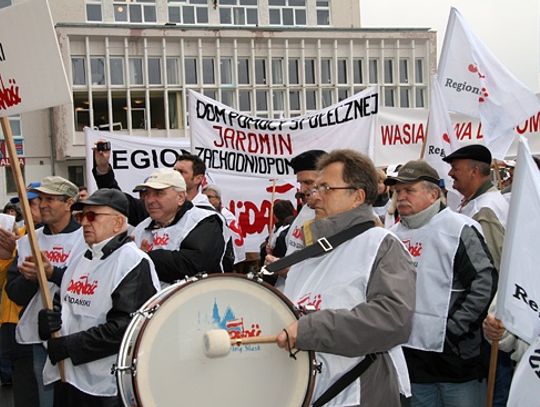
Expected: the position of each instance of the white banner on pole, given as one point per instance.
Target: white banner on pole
(518, 298)
(525, 388)
(230, 142)
(32, 75)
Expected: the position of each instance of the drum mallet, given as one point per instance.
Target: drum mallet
(217, 342)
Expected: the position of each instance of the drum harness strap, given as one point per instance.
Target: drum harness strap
(322, 246)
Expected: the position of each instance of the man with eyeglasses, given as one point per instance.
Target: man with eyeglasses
(362, 291)
(100, 290)
(60, 239)
(455, 284)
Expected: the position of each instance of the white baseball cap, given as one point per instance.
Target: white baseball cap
(161, 179)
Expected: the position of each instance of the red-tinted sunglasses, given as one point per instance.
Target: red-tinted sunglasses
(90, 215)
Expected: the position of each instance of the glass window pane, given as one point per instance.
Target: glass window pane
(120, 13)
(311, 100)
(389, 97)
(260, 71)
(323, 17)
(239, 16)
(248, 2)
(243, 71)
(227, 97)
(154, 71)
(262, 100)
(420, 101)
(288, 16)
(327, 98)
(388, 71)
(157, 110)
(97, 67)
(276, 2)
(202, 15)
(342, 70)
(135, 71)
(174, 15)
(78, 68)
(225, 15)
(117, 71)
(150, 14)
(373, 70)
(404, 97)
(294, 99)
(226, 71)
(227, 2)
(211, 93)
(277, 71)
(293, 71)
(326, 73)
(93, 12)
(299, 3)
(172, 71)
(135, 13)
(300, 17)
(404, 70)
(119, 109)
(188, 13)
(245, 100)
(343, 94)
(174, 110)
(251, 16)
(81, 111)
(309, 70)
(190, 69)
(275, 16)
(358, 74)
(419, 70)
(278, 100)
(208, 71)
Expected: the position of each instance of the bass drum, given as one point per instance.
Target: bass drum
(162, 361)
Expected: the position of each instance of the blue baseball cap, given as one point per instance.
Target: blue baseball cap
(30, 194)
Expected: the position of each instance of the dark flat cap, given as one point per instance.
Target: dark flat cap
(475, 152)
(112, 198)
(306, 161)
(413, 171)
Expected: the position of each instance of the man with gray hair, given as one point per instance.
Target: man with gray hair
(456, 281)
(363, 291)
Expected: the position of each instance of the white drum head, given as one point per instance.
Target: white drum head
(171, 366)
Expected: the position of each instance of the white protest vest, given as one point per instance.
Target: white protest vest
(295, 235)
(525, 388)
(491, 199)
(86, 291)
(170, 237)
(59, 249)
(433, 248)
(235, 230)
(339, 280)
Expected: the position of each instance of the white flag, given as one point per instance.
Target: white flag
(518, 298)
(441, 138)
(525, 388)
(475, 83)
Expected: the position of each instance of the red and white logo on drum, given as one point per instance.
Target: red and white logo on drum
(82, 286)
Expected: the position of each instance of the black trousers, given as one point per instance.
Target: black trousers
(66, 395)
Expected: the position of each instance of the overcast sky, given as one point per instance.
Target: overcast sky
(511, 29)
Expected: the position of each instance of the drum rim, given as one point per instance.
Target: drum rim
(184, 283)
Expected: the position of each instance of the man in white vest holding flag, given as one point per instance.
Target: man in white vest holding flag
(100, 290)
(363, 291)
(456, 281)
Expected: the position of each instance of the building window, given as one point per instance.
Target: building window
(277, 71)
(419, 76)
(389, 97)
(388, 70)
(190, 71)
(420, 97)
(287, 12)
(154, 71)
(323, 12)
(404, 98)
(97, 69)
(238, 12)
(262, 100)
(76, 174)
(311, 99)
(136, 71)
(93, 10)
(243, 71)
(117, 70)
(326, 70)
(188, 11)
(342, 71)
(244, 97)
(227, 97)
(343, 94)
(373, 70)
(172, 71)
(260, 71)
(5, 3)
(135, 11)
(78, 70)
(278, 100)
(226, 71)
(403, 70)
(294, 78)
(11, 185)
(358, 71)
(327, 98)
(309, 71)
(209, 76)
(294, 100)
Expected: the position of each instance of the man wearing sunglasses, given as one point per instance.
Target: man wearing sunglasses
(180, 238)
(60, 239)
(100, 290)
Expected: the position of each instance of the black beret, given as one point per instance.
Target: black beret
(475, 152)
(112, 198)
(306, 161)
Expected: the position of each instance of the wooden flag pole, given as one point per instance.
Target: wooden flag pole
(25, 206)
(423, 150)
(271, 222)
(492, 372)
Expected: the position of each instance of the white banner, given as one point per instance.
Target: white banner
(518, 298)
(525, 388)
(475, 83)
(231, 142)
(32, 75)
